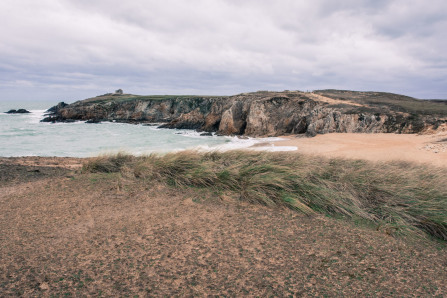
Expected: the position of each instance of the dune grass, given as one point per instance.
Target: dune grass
(107, 163)
(396, 197)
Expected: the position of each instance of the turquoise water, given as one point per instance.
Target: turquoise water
(25, 135)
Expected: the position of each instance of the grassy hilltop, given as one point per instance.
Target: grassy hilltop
(121, 98)
(378, 101)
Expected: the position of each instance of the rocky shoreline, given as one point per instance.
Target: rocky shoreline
(264, 113)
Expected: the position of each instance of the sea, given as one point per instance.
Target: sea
(25, 135)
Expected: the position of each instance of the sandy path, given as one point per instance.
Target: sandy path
(431, 149)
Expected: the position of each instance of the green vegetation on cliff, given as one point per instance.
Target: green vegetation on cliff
(130, 97)
(378, 101)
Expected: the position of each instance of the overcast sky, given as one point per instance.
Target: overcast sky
(69, 50)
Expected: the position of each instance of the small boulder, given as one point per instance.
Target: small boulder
(206, 134)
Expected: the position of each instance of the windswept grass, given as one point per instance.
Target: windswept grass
(396, 197)
(107, 163)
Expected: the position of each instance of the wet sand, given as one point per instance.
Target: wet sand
(429, 149)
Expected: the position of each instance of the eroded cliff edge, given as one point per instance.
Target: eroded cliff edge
(265, 113)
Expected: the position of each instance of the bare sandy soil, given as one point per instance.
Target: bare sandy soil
(427, 148)
(65, 233)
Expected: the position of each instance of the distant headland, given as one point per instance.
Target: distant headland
(264, 113)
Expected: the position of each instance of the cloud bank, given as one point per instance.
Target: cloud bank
(70, 49)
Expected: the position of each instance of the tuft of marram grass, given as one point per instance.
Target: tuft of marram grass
(396, 196)
(107, 163)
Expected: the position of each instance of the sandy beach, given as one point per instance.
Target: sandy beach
(429, 149)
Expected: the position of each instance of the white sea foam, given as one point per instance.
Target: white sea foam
(35, 116)
(274, 148)
(237, 143)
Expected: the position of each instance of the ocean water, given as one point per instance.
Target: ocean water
(25, 135)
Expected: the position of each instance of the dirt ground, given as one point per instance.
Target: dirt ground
(65, 233)
(427, 148)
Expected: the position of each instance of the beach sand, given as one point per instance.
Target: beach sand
(429, 149)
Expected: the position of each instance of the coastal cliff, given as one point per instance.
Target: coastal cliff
(265, 113)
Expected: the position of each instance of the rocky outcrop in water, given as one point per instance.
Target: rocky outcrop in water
(259, 113)
(19, 111)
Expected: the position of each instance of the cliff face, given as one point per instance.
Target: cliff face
(251, 114)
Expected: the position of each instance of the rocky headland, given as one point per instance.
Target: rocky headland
(265, 113)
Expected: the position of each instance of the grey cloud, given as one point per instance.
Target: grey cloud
(212, 47)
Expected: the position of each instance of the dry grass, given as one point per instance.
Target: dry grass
(396, 197)
(107, 163)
